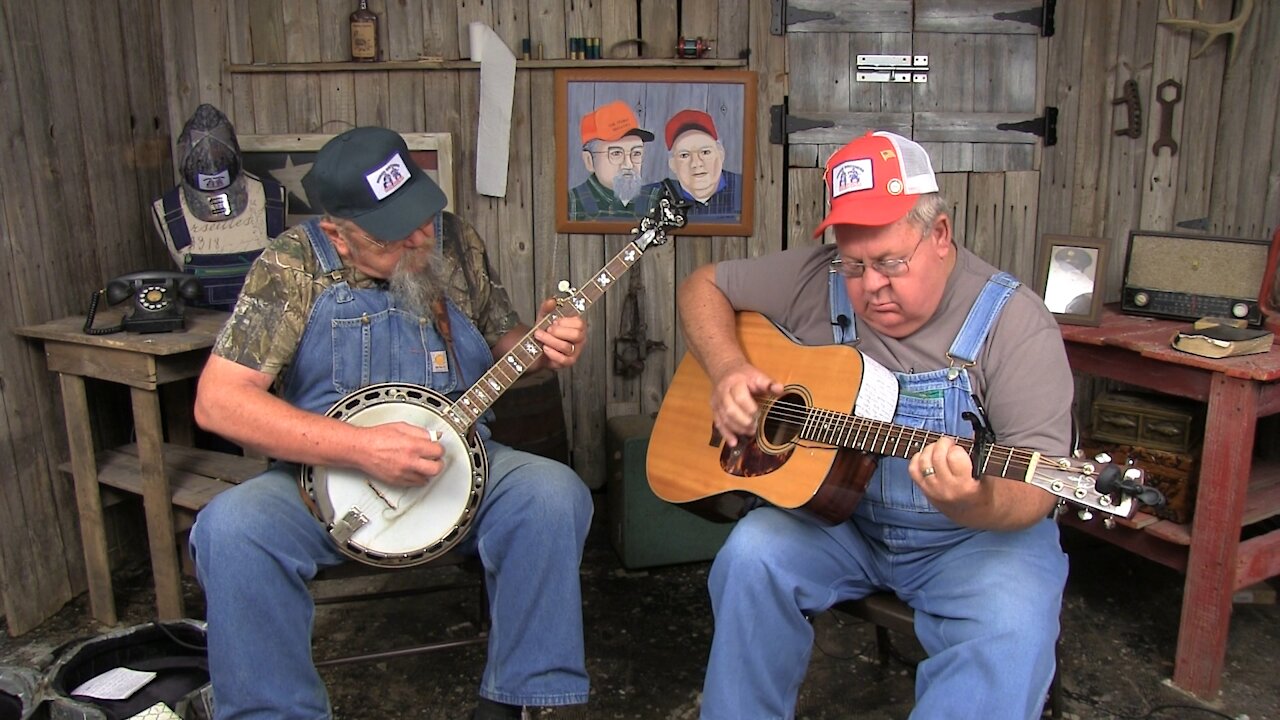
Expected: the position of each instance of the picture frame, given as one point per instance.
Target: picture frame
(1071, 277)
(710, 114)
(287, 158)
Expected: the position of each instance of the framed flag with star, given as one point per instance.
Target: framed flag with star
(286, 158)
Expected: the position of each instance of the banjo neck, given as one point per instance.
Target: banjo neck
(517, 361)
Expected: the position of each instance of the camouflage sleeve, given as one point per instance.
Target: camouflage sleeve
(266, 325)
(488, 304)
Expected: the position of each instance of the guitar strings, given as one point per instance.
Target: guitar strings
(800, 415)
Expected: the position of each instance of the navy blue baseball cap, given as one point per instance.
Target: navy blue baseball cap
(366, 175)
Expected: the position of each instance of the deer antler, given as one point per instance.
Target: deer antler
(1231, 28)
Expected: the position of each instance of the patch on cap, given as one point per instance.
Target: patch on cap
(389, 178)
(213, 183)
(851, 176)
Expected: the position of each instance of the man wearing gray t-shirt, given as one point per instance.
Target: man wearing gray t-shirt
(978, 560)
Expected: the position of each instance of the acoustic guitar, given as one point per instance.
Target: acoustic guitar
(810, 450)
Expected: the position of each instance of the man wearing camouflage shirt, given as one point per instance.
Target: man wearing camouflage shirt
(385, 287)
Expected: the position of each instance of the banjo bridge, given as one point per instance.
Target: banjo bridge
(347, 525)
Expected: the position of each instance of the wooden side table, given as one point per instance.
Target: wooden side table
(1233, 491)
(165, 475)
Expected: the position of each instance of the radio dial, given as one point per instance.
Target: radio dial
(1240, 310)
(1141, 299)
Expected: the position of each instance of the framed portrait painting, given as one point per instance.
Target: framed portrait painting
(1071, 277)
(621, 131)
(287, 158)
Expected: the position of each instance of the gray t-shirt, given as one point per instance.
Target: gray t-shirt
(1021, 374)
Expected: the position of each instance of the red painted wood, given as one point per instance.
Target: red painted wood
(1215, 535)
(1259, 559)
(1137, 350)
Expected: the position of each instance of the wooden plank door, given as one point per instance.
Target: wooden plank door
(980, 96)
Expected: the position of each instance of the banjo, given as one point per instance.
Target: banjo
(395, 526)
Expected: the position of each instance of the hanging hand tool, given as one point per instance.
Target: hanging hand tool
(1165, 138)
(1133, 105)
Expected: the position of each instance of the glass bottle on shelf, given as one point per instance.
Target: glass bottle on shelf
(364, 34)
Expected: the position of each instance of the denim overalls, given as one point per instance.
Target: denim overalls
(256, 545)
(987, 602)
(357, 337)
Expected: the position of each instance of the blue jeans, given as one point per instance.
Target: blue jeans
(256, 546)
(986, 613)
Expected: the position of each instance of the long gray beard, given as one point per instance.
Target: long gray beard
(414, 292)
(626, 186)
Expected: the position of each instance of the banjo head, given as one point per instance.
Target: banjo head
(393, 526)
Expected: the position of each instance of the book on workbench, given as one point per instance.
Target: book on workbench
(1219, 341)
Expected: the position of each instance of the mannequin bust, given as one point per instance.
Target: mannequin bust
(218, 219)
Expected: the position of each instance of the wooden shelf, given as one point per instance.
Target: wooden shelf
(1262, 502)
(195, 475)
(428, 65)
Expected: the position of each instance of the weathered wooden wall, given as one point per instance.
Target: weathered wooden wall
(85, 148)
(95, 92)
(203, 39)
(1225, 177)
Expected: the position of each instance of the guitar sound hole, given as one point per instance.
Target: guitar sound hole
(782, 420)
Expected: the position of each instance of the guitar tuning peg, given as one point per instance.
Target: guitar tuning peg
(1133, 474)
(1085, 514)
(1109, 523)
(564, 287)
(1103, 458)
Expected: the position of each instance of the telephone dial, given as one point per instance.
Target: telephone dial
(159, 297)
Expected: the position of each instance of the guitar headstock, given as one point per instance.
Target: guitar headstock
(1096, 485)
(669, 211)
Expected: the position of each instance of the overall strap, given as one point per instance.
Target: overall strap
(842, 319)
(275, 197)
(982, 316)
(174, 219)
(327, 255)
(324, 250)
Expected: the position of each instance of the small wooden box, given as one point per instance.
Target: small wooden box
(1155, 422)
(1174, 474)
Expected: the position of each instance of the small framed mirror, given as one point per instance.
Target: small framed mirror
(1072, 276)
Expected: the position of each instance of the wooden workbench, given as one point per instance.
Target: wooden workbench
(1233, 492)
(171, 477)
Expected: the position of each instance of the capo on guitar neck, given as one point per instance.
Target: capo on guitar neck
(983, 438)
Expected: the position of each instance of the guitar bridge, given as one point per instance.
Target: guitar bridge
(347, 525)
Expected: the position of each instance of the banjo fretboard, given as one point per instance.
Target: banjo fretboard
(511, 366)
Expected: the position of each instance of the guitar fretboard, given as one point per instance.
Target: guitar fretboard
(883, 438)
(511, 366)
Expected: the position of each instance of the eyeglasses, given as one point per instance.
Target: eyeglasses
(890, 268)
(356, 231)
(703, 154)
(616, 154)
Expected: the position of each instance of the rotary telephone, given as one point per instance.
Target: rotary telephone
(159, 297)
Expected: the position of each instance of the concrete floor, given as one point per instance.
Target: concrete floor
(648, 632)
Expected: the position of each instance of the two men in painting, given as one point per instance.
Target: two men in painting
(614, 153)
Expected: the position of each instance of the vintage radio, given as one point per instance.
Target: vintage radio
(1193, 276)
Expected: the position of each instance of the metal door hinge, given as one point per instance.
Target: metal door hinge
(781, 124)
(781, 16)
(1041, 18)
(893, 68)
(1045, 126)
